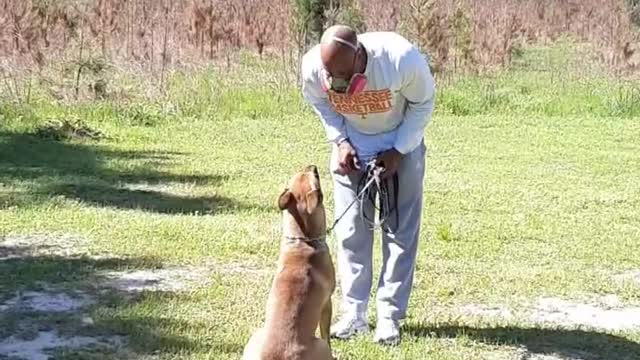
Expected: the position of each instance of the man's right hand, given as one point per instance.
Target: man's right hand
(347, 158)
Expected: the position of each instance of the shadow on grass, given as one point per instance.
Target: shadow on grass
(147, 200)
(22, 269)
(566, 343)
(139, 318)
(152, 334)
(101, 177)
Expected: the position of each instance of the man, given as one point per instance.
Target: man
(375, 95)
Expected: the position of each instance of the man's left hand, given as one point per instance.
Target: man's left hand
(390, 160)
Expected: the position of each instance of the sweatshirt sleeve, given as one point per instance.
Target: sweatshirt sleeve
(313, 94)
(419, 89)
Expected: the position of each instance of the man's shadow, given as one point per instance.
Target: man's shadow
(565, 343)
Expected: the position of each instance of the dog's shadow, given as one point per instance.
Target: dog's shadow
(565, 343)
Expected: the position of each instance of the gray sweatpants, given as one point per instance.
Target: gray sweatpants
(355, 241)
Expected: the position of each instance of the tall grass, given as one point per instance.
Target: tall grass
(543, 82)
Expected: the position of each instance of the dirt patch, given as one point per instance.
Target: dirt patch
(163, 188)
(171, 279)
(605, 313)
(522, 353)
(18, 246)
(239, 268)
(577, 355)
(46, 302)
(631, 276)
(545, 357)
(36, 338)
(45, 341)
(608, 313)
(496, 311)
(47, 319)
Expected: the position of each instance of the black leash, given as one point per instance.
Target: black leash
(366, 192)
(383, 193)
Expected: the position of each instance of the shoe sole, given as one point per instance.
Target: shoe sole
(394, 342)
(350, 335)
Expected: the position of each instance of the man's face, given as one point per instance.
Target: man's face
(340, 65)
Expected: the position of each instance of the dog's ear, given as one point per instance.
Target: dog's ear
(284, 199)
(314, 198)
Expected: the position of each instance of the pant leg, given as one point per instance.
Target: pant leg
(354, 241)
(400, 246)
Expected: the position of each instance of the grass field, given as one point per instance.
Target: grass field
(523, 202)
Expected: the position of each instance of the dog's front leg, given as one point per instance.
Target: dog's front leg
(325, 322)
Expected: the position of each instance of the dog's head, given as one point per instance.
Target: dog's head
(302, 201)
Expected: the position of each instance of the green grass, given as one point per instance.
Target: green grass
(529, 194)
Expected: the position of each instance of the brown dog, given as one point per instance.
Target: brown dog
(300, 297)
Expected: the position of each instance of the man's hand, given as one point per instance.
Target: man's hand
(347, 158)
(390, 161)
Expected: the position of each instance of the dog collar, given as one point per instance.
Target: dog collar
(316, 243)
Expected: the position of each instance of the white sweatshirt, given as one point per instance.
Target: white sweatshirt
(395, 107)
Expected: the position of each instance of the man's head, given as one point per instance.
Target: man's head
(342, 58)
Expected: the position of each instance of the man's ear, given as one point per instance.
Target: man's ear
(284, 199)
(314, 197)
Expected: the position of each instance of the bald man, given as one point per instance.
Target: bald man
(374, 94)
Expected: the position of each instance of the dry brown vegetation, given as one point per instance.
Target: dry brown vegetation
(146, 31)
(487, 33)
(475, 35)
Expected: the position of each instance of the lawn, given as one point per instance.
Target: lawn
(520, 206)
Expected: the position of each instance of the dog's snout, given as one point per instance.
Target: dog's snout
(313, 169)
